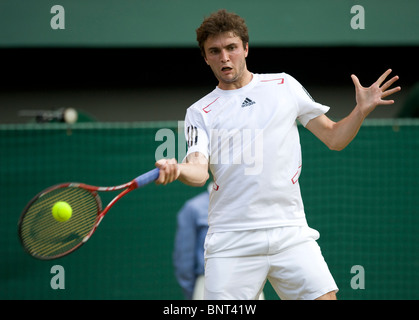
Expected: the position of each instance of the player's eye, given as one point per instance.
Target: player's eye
(213, 51)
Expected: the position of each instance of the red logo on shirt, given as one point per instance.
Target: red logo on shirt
(215, 187)
(206, 110)
(280, 80)
(294, 179)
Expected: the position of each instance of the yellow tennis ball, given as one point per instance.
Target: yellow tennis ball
(61, 211)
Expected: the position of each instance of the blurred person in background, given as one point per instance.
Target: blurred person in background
(188, 255)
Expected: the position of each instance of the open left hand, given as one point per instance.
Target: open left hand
(369, 98)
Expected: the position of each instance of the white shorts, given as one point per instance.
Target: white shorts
(238, 263)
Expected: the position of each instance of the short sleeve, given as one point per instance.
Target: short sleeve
(196, 134)
(307, 108)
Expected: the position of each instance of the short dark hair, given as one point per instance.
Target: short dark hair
(220, 22)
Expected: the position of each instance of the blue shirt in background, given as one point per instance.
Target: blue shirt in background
(188, 256)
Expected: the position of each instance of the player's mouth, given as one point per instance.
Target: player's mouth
(226, 69)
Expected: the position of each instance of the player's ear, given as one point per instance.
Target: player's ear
(246, 49)
(204, 54)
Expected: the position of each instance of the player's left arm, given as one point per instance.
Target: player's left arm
(337, 135)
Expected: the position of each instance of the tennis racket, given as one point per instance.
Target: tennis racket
(45, 238)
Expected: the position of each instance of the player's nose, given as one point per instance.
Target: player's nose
(224, 56)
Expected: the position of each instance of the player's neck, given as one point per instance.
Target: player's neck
(238, 83)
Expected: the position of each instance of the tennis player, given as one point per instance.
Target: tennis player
(245, 132)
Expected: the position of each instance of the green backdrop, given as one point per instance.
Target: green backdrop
(363, 200)
(172, 23)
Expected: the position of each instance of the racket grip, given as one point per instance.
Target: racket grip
(147, 177)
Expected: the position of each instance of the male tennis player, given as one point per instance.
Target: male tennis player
(245, 131)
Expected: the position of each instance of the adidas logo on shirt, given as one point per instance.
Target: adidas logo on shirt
(247, 103)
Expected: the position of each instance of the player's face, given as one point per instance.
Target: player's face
(226, 56)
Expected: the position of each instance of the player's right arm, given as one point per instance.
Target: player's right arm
(193, 171)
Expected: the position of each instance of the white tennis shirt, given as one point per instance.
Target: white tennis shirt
(251, 141)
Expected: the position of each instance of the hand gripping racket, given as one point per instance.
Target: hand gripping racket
(45, 238)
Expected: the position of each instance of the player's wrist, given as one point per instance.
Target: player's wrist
(363, 110)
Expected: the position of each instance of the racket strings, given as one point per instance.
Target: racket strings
(45, 237)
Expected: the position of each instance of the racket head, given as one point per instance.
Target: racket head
(45, 238)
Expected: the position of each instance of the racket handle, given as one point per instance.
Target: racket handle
(147, 177)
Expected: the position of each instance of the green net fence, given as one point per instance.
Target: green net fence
(363, 200)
